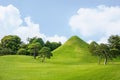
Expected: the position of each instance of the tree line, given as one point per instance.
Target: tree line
(106, 51)
(12, 44)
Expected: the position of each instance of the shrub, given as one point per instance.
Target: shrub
(22, 51)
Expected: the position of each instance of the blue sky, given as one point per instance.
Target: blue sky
(56, 18)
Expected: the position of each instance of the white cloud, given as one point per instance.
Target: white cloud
(30, 30)
(11, 23)
(33, 30)
(101, 22)
(9, 19)
(103, 40)
(57, 38)
(89, 41)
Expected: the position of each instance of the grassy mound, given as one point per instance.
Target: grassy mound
(71, 61)
(75, 50)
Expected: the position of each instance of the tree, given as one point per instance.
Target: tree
(24, 46)
(95, 50)
(92, 48)
(45, 52)
(34, 48)
(11, 42)
(52, 45)
(114, 52)
(22, 51)
(48, 44)
(114, 44)
(102, 51)
(55, 45)
(35, 39)
(6, 51)
(114, 41)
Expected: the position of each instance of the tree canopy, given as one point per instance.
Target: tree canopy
(45, 52)
(34, 48)
(11, 42)
(106, 51)
(35, 39)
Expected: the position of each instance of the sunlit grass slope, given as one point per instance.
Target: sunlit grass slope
(71, 61)
(15, 67)
(75, 50)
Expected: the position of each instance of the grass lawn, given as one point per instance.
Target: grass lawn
(14, 67)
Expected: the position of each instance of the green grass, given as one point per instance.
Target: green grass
(71, 61)
(75, 50)
(14, 67)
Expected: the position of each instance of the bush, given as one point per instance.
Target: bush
(6, 51)
(22, 51)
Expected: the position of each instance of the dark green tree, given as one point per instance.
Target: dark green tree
(52, 45)
(48, 44)
(92, 48)
(11, 42)
(104, 52)
(22, 51)
(95, 50)
(55, 45)
(114, 44)
(35, 39)
(24, 46)
(1, 49)
(6, 51)
(114, 41)
(34, 48)
(45, 52)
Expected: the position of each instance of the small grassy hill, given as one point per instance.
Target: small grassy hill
(71, 61)
(75, 50)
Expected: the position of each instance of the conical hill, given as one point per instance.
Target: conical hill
(75, 50)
